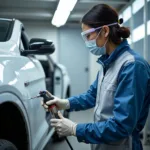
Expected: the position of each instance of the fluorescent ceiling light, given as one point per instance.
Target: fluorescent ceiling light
(63, 11)
(127, 14)
(148, 27)
(137, 5)
(60, 18)
(138, 33)
(66, 5)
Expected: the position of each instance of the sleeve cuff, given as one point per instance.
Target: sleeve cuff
(80, 133)
(72, 103)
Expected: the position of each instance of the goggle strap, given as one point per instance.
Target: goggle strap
(107, 25)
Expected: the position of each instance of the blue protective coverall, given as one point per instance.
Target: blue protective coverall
(131, 100)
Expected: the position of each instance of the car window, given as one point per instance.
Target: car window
(5, 30)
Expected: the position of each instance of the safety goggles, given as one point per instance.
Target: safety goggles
(86, 33)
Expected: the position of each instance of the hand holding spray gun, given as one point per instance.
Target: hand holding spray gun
(52, 107)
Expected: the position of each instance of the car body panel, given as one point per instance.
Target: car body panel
(27, 76)
(21, 78)
(12, 95)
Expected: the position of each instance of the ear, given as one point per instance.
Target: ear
(106, 31)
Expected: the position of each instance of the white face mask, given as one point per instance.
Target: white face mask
(94, 49)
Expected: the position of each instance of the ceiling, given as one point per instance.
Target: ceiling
(43, 10)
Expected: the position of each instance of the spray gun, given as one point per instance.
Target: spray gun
(52, 108)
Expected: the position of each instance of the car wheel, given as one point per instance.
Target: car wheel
(6, 145)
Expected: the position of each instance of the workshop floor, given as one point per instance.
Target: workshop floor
(82, 117)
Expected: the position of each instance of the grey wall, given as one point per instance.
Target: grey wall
(149, 48)
(138, 18)
(148, 10)
(139, 46)
(74, 55)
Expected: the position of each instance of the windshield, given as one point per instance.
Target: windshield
(5, 30)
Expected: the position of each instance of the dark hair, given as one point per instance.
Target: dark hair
(103, 14)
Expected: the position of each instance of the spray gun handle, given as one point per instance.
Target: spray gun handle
(47, 97)
(52, 108)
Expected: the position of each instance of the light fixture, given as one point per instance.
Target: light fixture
(127, 14)
(60, 18)
(137, 5)
(63, 11)
(138, 33)
(66, 5)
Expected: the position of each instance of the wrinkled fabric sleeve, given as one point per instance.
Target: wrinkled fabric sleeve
(86, 100)
(128, 102)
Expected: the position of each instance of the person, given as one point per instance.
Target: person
(120, 93)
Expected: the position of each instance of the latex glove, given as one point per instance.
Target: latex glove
(63, 126)
(61, 104)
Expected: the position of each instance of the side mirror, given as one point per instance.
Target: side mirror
(39, 47)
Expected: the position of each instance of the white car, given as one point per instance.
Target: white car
(24, 124)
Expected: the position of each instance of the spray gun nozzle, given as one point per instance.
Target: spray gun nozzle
(35, 97)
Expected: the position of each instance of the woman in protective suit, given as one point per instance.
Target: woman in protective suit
(120, 93)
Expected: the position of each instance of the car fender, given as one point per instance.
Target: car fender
(12, 95)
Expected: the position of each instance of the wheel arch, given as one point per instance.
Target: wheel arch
(14, 104)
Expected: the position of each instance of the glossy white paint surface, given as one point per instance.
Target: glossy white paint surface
(15, 72)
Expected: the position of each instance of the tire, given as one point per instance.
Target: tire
(6, 145)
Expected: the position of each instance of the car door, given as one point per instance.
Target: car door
(35, 82)
(48, 70)
(58, 81)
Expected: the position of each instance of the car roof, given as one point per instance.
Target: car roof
(5, 19)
